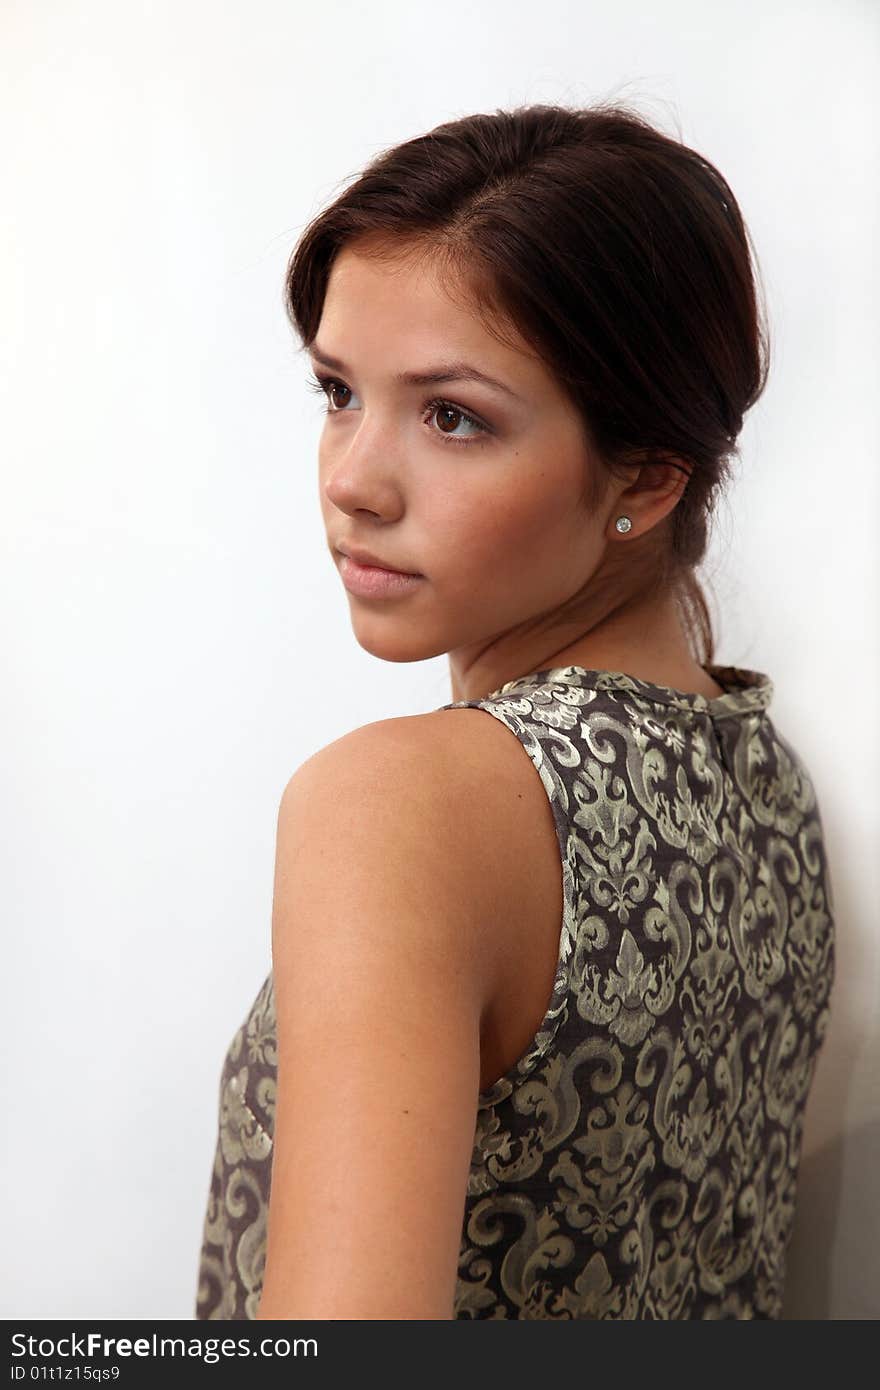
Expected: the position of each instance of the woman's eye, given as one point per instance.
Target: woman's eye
(332, 388)
(441, 409)
(327, 388)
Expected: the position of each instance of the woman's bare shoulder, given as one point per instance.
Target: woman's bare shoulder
(456, 789)
(462, 763)
(452, 765)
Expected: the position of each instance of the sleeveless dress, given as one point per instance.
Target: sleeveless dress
(640, 1158)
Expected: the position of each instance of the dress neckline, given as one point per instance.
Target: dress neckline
(745, 691)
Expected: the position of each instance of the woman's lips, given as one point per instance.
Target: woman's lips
(372, 581)
(366, 557)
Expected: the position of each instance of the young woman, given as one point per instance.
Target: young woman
(544, 1010)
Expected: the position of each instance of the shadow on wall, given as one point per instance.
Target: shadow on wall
(833, 1266)
(832, 1259)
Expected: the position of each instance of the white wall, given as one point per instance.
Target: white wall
(174, 638)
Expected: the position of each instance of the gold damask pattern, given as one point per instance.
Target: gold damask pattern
(640, 1159)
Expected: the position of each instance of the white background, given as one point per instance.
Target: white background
(174, 636)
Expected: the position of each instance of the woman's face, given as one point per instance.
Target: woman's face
(487, 510)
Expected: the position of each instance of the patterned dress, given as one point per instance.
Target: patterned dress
(640, 1158)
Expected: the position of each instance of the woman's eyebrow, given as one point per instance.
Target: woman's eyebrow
(444, 371)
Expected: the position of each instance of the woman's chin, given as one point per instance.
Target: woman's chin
(386, 644)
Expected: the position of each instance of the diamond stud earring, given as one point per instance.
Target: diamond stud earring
(623, 523)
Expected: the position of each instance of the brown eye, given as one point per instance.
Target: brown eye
(448, 416)
(447, 419)
(445, 411)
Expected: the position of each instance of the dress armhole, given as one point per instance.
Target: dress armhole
(549, 750)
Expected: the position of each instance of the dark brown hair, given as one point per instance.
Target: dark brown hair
(618, 253)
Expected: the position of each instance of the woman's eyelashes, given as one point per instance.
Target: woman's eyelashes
(329, 386)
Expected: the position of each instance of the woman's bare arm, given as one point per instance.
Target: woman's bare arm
(382, 970)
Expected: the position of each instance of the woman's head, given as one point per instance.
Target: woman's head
(601, 271)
